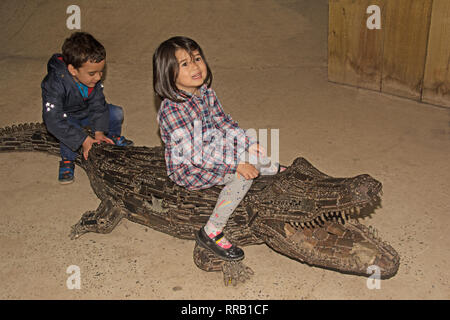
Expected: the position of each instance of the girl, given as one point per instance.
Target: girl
(203, 146)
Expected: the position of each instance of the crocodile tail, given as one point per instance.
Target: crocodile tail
(28, 137)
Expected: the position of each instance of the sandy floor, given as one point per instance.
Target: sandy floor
(269, 59)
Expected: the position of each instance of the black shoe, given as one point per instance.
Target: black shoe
(231, 254)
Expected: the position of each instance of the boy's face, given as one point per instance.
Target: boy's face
(192, 71)
(89, 73)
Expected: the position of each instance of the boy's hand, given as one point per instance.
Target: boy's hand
(87, 145)
(247, 170)
(100, 136)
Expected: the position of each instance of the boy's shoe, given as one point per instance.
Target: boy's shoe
(66, 171)
(121, 141)
(232, 254)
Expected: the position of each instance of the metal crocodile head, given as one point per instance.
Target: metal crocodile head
(309, 216)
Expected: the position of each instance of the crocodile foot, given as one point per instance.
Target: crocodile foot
(103, 220)
(233, 271)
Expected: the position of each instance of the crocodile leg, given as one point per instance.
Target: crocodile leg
(103, 220)
(233, 271)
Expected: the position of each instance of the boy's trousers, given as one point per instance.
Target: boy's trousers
(115, 128)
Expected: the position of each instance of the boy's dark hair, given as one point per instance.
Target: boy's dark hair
(165, 66)
(81, 47)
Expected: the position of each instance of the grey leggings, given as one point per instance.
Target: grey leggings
(235, 189)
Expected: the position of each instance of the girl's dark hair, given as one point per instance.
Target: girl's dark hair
(81, 47)
(165, 66)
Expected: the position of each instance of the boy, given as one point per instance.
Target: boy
(72, 98)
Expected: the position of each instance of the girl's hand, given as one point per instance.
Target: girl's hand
(100, 136)
(247, 170)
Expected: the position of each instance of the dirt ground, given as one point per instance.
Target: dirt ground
(269, 59)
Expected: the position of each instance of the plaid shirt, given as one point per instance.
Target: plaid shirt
(202, 143)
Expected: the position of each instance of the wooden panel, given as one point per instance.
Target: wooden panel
(436, 87)
(405, 42)
(354, 51)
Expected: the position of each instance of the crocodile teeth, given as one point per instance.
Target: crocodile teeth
(373, 232)
(358, 210)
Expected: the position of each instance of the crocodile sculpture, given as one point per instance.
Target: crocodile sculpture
(301, 213)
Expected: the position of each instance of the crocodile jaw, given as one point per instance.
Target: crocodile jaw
(347, 248)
